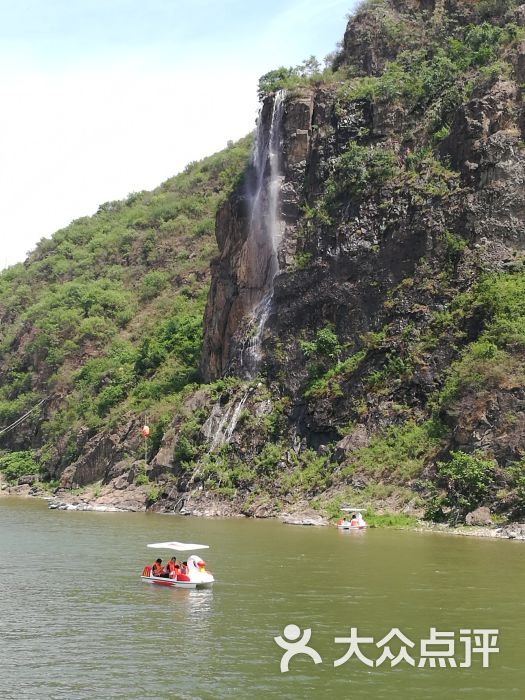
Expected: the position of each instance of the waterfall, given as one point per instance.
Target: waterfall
(232, 423)
(223, 431)
(265, 232)
(259, 264)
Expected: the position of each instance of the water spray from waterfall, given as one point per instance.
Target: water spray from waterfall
(227, 424)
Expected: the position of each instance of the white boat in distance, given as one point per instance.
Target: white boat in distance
(355, 522)
(196, 576)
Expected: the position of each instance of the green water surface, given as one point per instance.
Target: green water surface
(77, 622)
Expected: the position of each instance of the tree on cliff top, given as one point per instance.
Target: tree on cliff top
(288, 78)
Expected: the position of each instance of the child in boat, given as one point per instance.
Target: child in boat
(184, 568)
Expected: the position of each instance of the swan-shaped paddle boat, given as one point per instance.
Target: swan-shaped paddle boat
(197, 576)
(354, 522)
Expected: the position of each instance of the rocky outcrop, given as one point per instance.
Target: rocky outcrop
(100, 457)
(480, 516)
(484, 144)
(379, 32)
(355, 440)
(114, 497)
(307, 517)
(491, 421)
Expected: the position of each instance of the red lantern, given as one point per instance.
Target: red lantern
(145, 430)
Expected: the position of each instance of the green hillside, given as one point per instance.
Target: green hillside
(106, 316)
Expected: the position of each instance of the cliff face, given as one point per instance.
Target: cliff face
(403, 198)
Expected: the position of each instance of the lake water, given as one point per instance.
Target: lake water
(77, 622)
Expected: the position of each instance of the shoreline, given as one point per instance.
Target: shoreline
(301, 515)
(506, 531)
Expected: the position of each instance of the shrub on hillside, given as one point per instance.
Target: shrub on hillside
(16, 464)
(467, 479)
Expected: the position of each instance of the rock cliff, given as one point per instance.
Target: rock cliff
(399, 200)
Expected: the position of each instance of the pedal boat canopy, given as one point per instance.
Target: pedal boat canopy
(178, 546)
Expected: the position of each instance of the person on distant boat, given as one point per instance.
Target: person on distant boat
(354, 521)
(156, 569)
(170, 567)
(184, 568)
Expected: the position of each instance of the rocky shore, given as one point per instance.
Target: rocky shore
(93, 498)
(135, 499)
(509, 531)
(204, 505)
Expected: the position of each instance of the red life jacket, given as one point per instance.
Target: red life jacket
(157, 569)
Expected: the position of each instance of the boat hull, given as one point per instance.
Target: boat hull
(351, 527)
(173, 583)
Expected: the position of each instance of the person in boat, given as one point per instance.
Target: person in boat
(156, 568)
(184, 568)
(170, 567)
(354, 521)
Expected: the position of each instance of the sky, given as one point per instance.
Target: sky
(101, 98)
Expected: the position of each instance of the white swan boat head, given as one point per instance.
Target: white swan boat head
(193, 575)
